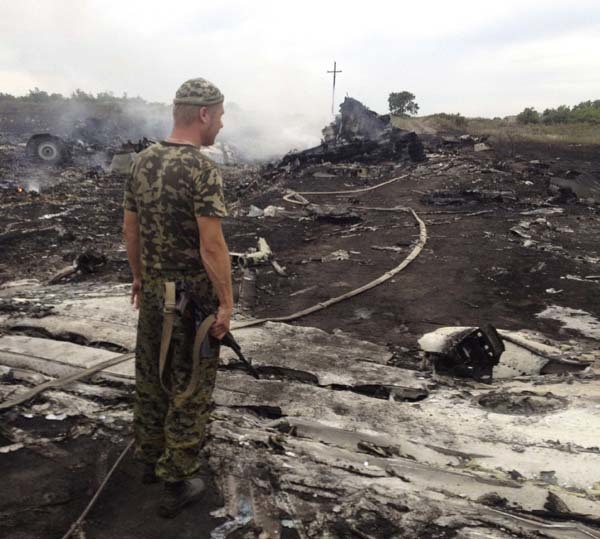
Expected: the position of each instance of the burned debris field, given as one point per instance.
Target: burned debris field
(455, 397)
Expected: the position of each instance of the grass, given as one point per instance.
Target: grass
(573, 133)
(505, 130)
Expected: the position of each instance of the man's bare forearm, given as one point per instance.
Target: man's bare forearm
(217, 263)
(133, 254)
(131, 235)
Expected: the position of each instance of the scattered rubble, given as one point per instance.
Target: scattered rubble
(577, 186)
(358, 425)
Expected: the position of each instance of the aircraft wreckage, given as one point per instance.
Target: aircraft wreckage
(386, 405)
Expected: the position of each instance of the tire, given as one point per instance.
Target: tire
(47, 149)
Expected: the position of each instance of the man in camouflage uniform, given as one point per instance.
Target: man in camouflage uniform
(173, 209)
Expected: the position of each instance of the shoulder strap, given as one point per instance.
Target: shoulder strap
(169, 312)
(201, 334)
(167, 329)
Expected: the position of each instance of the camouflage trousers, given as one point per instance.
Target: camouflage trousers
(169, 430)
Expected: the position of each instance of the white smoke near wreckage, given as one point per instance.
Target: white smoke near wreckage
(271, 58)
(254, 135)
(259, 135)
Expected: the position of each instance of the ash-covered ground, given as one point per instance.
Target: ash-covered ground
(374, 447)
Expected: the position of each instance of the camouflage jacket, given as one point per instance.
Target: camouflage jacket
(170, 185)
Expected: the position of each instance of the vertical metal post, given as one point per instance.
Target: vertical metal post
(335, 72)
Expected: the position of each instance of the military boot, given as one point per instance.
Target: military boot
(179, 494)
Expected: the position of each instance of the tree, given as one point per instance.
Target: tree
(558, 115)
(105, 96)
(529, 116)
(402, 103)
(38, 96)
(80, 95)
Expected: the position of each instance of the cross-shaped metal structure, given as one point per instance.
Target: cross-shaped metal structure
(335, 72)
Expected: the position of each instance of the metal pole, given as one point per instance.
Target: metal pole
(333, 93)
(335, 72)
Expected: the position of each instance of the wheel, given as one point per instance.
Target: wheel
(48, 149)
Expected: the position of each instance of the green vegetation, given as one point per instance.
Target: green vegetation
(449, 121)
(402, 103)
(39, 111)
(529, 116)
(40, 96)
(584, 112)
(509, 129)
(579, 124)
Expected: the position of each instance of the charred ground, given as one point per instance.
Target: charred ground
(473, 270)
(505, 242)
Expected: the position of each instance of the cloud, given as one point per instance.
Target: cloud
(271, 57)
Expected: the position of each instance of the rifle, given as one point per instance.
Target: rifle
(200, 313)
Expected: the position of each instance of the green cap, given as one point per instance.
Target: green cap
(198, 92)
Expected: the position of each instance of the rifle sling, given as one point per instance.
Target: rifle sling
(169, 313)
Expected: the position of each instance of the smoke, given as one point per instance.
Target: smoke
(264, 135)
(489, 62)
(254, 134)
(111, 123)
(32, 185)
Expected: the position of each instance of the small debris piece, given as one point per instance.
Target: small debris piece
(555, 505)
(387, 248)
(10, 448)
(378, 450)
(247, 295)
(481, 147)
(278, 269)
(333, 214)
(303, 291)
(472, 353)
(56, 417)
(87, 262)
(582, 186)
(336, 255)
(255, 211)
(272, 211)
(549, 476)
(254, 257)
(62, 274)
(493, 499)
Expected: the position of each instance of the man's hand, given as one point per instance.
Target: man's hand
(136, 293)
(221, 325)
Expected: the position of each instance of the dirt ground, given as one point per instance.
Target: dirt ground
(473, 270)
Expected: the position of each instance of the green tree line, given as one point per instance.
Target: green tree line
(584, 112)
(40, 96)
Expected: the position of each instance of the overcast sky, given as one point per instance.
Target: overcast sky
(271, 57)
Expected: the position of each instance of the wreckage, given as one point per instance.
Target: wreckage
(360, 135)
(365, 284)
(95, 137)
